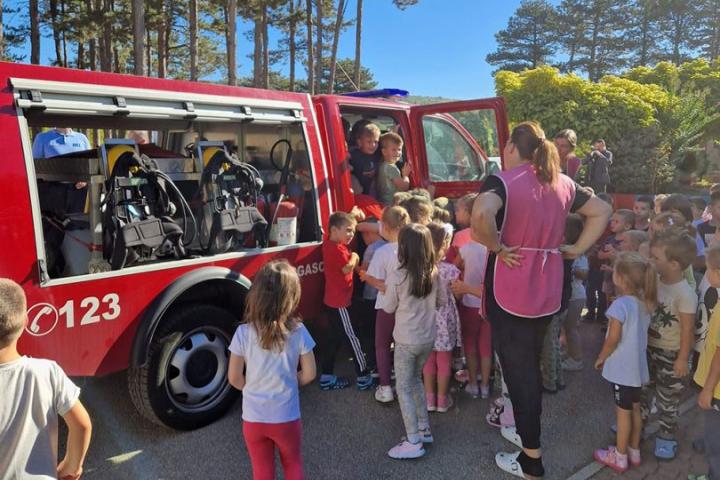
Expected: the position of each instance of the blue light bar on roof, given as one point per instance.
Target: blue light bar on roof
(379, 93)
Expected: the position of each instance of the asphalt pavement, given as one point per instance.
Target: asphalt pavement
(347, 434)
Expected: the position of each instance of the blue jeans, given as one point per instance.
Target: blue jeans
(712, 441)
(409, 361)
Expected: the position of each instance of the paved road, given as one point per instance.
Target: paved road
(347, 435)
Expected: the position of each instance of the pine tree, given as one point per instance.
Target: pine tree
(642, 33)
(528, 40)
(708, 29)
(570, 32)
(679, 21)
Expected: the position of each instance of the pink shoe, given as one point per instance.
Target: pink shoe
(634, 457)
(612, 458)
(431, 401)
(444, 404)
(507, 417)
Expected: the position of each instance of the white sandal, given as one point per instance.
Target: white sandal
(508, 463)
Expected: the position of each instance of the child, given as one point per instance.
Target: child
(34, 393)
(631, 240)
(383, 262)
(670, 337)
(707, 374)
(681, 205)
(413, 295)
(374, 241)
(363, 158)
(643, 210)
(436, 372)
(623, 356)
(471, 258)
(579, 272)
(596, 300)
(620, 222)
(708, 230)
(419, 208)
(339, 264)
(698, 207)
(270, 345)
(389, 178)
(659, 200)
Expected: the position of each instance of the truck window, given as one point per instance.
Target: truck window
(458, 145)
(170, 194)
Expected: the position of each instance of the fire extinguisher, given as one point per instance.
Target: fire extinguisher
(283, 228)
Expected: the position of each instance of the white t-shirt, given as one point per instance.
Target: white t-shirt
(370, 292)
(384, 261)
(33, 393)
(627, 365)
(474, 257)
(578, 286)
(271, 394)
(665, 331)
(707, 303)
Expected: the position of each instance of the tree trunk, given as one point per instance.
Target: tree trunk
(593, 70)
(161, 47)
(34, 32)
(52, 5)
(193, 7)
(64, 39)
(319, 52)
(92, 43)
(138, 13)
(170, 15)
(258, 39)
(106, 39)
(291, 43)
(358, 43)
(148, 53)
(232, 41)
(80, 64)
(310, 53)
(266, 50)
(336, 40)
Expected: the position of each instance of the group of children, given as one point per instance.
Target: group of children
(651, 267)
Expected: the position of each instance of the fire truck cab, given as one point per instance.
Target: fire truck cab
(187, 189)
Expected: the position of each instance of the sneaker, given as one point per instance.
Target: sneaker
(461, 376)
(484, 391)
(334, 383)
(508, 463)
(374, 373)
(426, 435)
(572, 365)
(444, 403)
(634, 457)
(365, 382)
(612, 458)
(510, 434)
(665, 449)
(473, 390)
(493, 417)
(431, 401)
(384, 394)
(406, 449)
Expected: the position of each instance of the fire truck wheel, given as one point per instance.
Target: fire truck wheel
(184, 382)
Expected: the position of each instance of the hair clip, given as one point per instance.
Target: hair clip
(671, 221)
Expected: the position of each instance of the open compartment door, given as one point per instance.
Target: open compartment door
(458, 144)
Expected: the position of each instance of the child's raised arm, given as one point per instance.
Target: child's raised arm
(612, 340)
(78, 441)
(236, 377)
(308, 369)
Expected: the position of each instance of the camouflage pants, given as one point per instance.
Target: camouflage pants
(552, 372)
(666, 388)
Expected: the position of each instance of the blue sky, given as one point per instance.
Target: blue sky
(435, 48)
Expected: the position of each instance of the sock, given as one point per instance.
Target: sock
(531, 466)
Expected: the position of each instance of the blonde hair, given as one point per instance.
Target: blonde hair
(12, 311)
(637, 237)
(532, 145)
(395, 217)
(419, 208)
(712, 256)
(679, 246)
(273, 298)
(569, 135)
(638, 277)
(390, 138)
(400, 197)
(440, 237)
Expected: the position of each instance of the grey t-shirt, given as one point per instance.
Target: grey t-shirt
(385, 186)
(34, 393)
(414, 317)
(627, 365)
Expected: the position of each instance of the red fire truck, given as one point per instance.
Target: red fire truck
(150, 275)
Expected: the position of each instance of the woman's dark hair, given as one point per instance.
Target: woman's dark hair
(416, 254)
(530, 141)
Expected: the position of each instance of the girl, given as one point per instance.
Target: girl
(412, 294)
(270, 345)
(436, 372)
(623, 358)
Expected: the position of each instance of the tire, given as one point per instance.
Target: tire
(184, 383)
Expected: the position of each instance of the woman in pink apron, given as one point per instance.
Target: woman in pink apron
(520, 217)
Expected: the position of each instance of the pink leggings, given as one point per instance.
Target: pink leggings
(438, 363)
(384, 325)
(475, 332)
(261, 440)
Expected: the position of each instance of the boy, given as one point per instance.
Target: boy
(363, 158)
(670, 337)
(621, 221)
(707, 230)
(631, 240)
(707, 374)
(642, 208)
(419, 208)
(390, 179)
(339, 264)
(34, 392)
